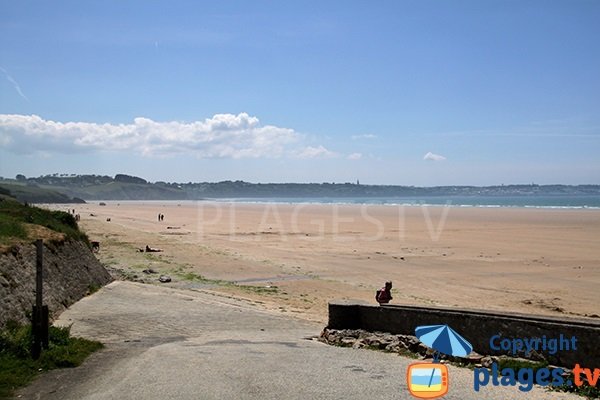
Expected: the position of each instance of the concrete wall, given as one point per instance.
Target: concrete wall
(476, 326)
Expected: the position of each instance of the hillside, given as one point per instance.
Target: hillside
(20, 223)
(34, 194)
(125, 187)
(70, 268)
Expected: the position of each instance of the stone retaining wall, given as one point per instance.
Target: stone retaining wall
(70, 272)
(477, 327)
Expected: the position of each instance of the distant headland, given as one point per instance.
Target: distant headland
(73, 188)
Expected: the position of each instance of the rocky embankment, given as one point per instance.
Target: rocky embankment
(406, 345)
(71, 271)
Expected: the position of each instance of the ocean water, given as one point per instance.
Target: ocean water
(557, 201)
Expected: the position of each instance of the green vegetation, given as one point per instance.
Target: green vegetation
(259, 289)
(191, 276)
(585, 390)
(10, 229)
(517, 364)
(32, 193)
(125, 187)
(93, 288)
(14, 216)
(17, 368)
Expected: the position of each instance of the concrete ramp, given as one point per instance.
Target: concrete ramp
(174, 344)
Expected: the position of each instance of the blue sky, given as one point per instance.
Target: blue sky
(271, 91)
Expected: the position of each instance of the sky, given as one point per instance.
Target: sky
(420, 93)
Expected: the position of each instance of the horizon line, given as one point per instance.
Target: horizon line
(357, 183)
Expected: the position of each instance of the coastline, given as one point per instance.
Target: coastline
(391, 202)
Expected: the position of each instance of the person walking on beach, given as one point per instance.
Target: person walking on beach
(384, 295)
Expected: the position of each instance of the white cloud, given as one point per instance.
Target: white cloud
(355, 156)
(222, 136)
(315, 152)
(433, 157)
(365, 136)
(14, 83)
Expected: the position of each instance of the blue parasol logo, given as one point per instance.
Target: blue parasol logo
(443, 339)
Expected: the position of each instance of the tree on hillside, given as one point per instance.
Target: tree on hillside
(129, 179)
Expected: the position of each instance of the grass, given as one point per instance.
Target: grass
(585, 390)
(193, 277)
(156, 258)
(9, 228)
(93, 288)
(14, 216)
(517, 364)
(259, 289)
(17, 368)
(34, 194)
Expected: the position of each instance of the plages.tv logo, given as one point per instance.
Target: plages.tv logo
(525, 377)
(431, 380)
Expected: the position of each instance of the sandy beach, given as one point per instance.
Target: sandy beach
(295, 258)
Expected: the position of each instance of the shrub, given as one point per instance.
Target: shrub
(18, 369)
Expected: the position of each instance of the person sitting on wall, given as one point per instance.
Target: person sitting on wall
(384, 295)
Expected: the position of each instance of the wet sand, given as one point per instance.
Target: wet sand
(296, 258)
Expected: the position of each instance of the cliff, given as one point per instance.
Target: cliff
(70, 272)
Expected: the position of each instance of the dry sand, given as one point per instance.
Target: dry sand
(295, 258)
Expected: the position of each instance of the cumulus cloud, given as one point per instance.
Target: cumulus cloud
(365, 136)
(222, 136)
(315, 152)
(433, 157)
(355, 156)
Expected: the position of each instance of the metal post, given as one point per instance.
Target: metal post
(38, 311)
(45, 328)
(39, 245)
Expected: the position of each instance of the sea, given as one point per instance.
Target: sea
(530, 201)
